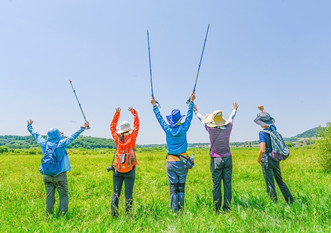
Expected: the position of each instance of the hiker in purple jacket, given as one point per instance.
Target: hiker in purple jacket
(219, 130)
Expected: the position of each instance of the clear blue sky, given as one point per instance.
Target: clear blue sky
(275, 53)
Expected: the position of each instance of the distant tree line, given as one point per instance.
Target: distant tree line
(26, 142)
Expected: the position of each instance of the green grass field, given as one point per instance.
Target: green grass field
(22, 196)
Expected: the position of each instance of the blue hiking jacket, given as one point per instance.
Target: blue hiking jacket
(54, 136)
(175, 136)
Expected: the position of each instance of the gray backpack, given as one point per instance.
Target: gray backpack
(279, 149)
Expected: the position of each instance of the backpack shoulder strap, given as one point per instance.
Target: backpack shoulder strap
(131, 142)
(266, 131)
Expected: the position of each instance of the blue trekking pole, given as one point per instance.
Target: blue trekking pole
(196, 79)
(80, 106)
(150, 69)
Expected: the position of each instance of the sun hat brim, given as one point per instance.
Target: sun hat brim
(209, 121)
(123, 131)
(270, 122)
(173, 123)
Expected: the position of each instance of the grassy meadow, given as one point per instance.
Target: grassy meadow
(22, 195)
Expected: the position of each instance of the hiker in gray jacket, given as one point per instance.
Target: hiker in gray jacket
(270, 167)
(219, 130)
(58, 180)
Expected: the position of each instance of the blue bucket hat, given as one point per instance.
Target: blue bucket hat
(174, 118)
(54, 135)
(264, 119)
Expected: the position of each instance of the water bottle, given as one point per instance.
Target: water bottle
(132, 156)
(192, 159)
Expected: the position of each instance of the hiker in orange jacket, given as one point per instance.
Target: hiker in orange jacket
(125, 161)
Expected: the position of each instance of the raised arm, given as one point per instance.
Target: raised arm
(261, 108)
(234, 111)
(114, 124)
(199, 116)
(68, 140)
(160, 119)
(39, 139)
(158, 115)
(135, 122)
(187, 123)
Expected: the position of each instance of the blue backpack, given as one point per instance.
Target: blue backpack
(279, 149)
(50, 165)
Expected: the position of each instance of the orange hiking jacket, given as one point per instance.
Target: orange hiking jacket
(129, 141)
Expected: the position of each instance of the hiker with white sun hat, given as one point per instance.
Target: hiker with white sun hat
(219, 130)
(126, 161)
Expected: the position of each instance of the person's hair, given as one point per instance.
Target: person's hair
(122, 137)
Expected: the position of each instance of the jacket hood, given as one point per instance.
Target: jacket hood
(176, 130)
(53, 135)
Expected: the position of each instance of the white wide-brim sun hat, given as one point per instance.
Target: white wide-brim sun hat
(124, 127)
(215, 119)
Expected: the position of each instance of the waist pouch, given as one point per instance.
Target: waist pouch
(188, 161)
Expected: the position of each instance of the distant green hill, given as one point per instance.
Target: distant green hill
(311, 133)
(303, 139)
(25, 142)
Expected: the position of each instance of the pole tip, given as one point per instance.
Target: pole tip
(70, 81)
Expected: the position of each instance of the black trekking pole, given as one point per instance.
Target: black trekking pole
(150, 70)
(80, 106)
(196, 79)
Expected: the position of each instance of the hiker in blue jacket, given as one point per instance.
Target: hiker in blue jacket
(58, 181)
(270, 168)
(176, 147)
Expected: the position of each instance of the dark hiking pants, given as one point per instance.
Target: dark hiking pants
(60, 183)
(118, 179)
(221, 169)
(271, 170)
(177, 174)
